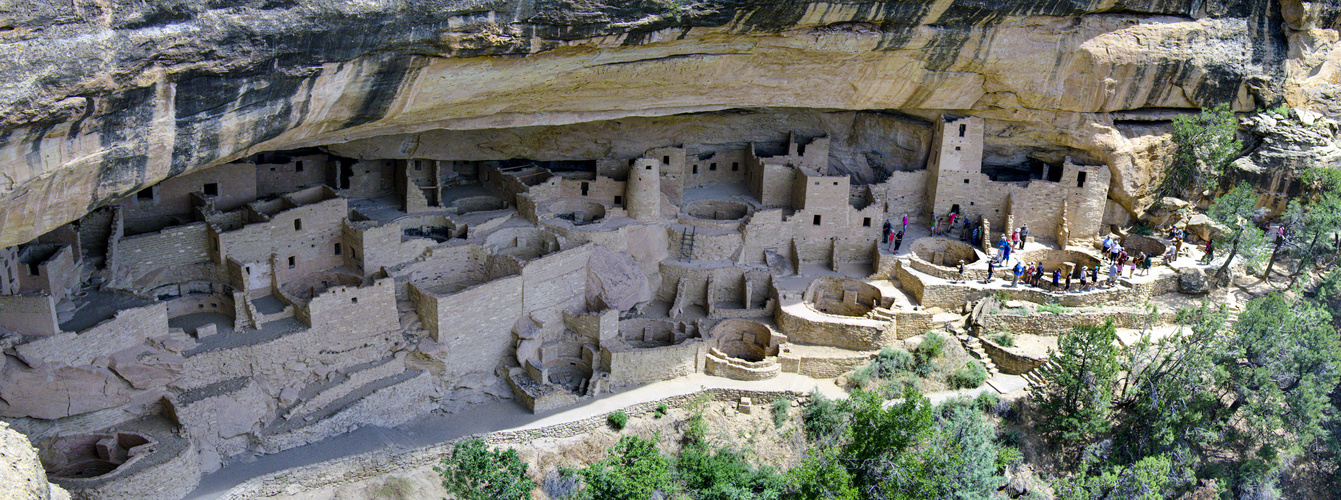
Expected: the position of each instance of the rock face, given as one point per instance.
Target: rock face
(21, 474)
(103, 98)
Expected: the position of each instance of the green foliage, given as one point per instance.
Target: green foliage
(1204, 144)
(474, 472)
(660, 411)
(824, 419)
(930, 348)
(1321, 180)
(723, 474)
(890, 362)
(1077, 399)
(1147, 479)
(821, 476)
(633, 471)
(618, 419)
(971, 375)
(1283, 110)
(1003, 339)
(1236, 210)
(1142, 229)
(1053, 307)
(695, 429)
(780, 408)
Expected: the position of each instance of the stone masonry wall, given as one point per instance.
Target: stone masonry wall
(128, 328)
(28, 315)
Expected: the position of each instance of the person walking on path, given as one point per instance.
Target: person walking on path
(1001, 249)
(898, 241)
(1024, 235)
(1029, 274)
(1094, 276)
(1112, 274)
(1080, 273)
(889, 231)
(1056, 279)
(1210, 252)
(961, 271)
(991, 266)
(1145, 264)
(905, 223)
(1015, 237)
(1068, 282)
(1038, 275)
(1019, 269)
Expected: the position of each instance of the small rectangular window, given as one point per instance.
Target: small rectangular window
(1080, 180)
(966, 181)
(735, 166)
(665, 159)
(585, 188)
(619, 200)
(962, 129)
(817, 220)
(353, 300)
(957, 148)
(298, 166)
(337, 249)
(297, 224)
(649, 167)
(865, 222)
(211, 189)
(145, 194)
(34, 269)
(417, 166)
(293, 262)
(712, 167)
(695, 169)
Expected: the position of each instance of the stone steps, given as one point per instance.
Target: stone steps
(975, 348)
(1039, 376)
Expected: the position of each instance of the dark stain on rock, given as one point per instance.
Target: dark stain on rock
(380, 90)
(126, 155)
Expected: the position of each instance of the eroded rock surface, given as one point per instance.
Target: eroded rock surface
(103, 99)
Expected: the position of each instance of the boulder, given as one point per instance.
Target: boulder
(1193, 280)
(615, 281)
(1204, 228)
(54, 392)
(146, 368)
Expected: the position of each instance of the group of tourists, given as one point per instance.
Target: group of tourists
(1118, 259)
(1037, 274)
(893, 240)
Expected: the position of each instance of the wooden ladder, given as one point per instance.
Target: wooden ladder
(687, 243)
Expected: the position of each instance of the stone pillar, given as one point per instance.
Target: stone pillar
(643, 192)
(1062, 232)
(987, 241)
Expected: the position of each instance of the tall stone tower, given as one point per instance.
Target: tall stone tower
(643, 190)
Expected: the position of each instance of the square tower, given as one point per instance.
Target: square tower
(955, 163)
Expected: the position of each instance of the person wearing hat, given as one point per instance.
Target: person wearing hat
(961, 270)
(1024, 234)
(1019, 269)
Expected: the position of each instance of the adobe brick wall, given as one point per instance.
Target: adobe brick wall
(348, 313)
(477, 320)
(628, 365)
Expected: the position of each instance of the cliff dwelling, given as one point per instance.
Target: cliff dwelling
(237, 241)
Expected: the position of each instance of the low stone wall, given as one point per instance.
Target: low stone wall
(1047, 323)
(720, 364)
(808, 326)
(1010, 362)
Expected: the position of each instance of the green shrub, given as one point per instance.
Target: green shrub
(474, 472)
(695, 429)
(618, 419)
(1053, 307)
(930, 348)
(1003, 339)
(724, 475)
(1007, 455)
(824, 419)
(634, 470)
(971, 375)
(1142, 230)
(891, 361)
(780, 408)
(660, 412)
(987, 401)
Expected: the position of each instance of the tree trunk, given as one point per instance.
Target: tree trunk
(1224, 269)
(1308, 257)
(1266, 276)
